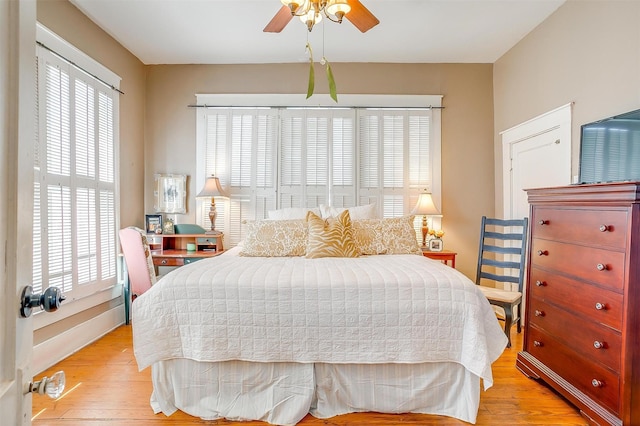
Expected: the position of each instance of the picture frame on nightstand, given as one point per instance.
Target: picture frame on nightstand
(436, 244)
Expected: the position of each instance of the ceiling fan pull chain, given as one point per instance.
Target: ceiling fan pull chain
(311, 72)
(322, 44)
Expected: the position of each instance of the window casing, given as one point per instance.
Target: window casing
(279, 157)
(75, 181)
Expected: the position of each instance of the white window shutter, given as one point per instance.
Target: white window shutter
(74, 217)
(38, 230)
(343, 154)
(298, 157)
(240, 148)
(84, 130)
(419, 152)
(59, 250)
(86, 239)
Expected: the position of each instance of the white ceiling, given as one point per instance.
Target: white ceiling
(230, 31)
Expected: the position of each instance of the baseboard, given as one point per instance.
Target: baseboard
(54, 350)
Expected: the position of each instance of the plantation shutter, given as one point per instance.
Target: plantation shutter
(240, 149)
(395, 159)
(74, 221)
(317, 158)
(270, 158)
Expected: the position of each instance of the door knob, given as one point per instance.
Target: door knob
(49, 301)
(51, 386)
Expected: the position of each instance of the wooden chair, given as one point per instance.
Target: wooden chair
(501, 259)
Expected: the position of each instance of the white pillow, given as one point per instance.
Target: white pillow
(290, 213)
(356, 213)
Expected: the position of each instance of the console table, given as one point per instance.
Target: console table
(171, 250)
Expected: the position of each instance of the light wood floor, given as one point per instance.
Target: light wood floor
(104, 387)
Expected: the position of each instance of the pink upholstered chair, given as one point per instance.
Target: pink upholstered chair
(137, 255)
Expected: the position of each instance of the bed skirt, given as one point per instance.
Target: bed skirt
(283, 393)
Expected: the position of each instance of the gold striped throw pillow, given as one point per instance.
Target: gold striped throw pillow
(333, 239)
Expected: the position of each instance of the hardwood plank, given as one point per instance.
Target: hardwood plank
(105, 388)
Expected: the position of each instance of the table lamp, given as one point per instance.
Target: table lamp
(425, 207)
(212, 188)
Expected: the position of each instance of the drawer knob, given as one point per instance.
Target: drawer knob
(537, 343)
(539, 313)
(601, 267)
(164, 261)
(600, 306)
(543, 222)
(542, 253)
(598, 345)
(541, 283)
(604, 228)
(596, 383)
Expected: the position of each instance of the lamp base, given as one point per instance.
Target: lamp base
(213, 232)
(425, 230)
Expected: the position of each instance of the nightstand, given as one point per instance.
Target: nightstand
(445, 256)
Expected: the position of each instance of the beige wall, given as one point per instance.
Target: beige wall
(587, 52)
(467, 126)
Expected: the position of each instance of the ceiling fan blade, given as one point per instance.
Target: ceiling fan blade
(279, 21)
(361, 17)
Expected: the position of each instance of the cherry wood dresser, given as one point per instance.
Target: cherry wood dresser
(582, 327)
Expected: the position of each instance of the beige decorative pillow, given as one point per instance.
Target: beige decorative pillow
(330, 239)
(386, 236)
(275, 238)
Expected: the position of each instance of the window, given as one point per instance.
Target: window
(74, 217)
(280, 157)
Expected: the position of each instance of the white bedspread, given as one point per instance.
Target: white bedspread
(375, 309)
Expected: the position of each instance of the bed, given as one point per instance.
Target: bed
(275, 338)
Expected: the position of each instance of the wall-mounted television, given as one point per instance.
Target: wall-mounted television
(610, 149)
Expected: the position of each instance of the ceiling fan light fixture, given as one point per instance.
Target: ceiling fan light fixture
(311, 18)
(295, 5)
(337, 8)
(333, 10)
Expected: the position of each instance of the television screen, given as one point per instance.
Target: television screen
(610, 149)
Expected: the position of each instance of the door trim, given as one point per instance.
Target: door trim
(559, 118)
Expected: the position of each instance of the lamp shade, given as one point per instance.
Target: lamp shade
(425, 205)
(212, 188)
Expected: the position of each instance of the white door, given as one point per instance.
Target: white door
(536, 154)
(17, 135)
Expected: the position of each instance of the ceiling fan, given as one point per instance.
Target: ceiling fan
(312, 11)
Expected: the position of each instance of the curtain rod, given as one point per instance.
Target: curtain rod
(111, 86)
(311, 106)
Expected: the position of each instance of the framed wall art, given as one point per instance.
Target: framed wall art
(170, 193)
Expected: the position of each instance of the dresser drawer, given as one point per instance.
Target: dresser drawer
(596, 381)
(594, 341)
(599, 227)
(168, 261)
(208, 241)
(605, 267)
(592, 302)
(154, 239)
